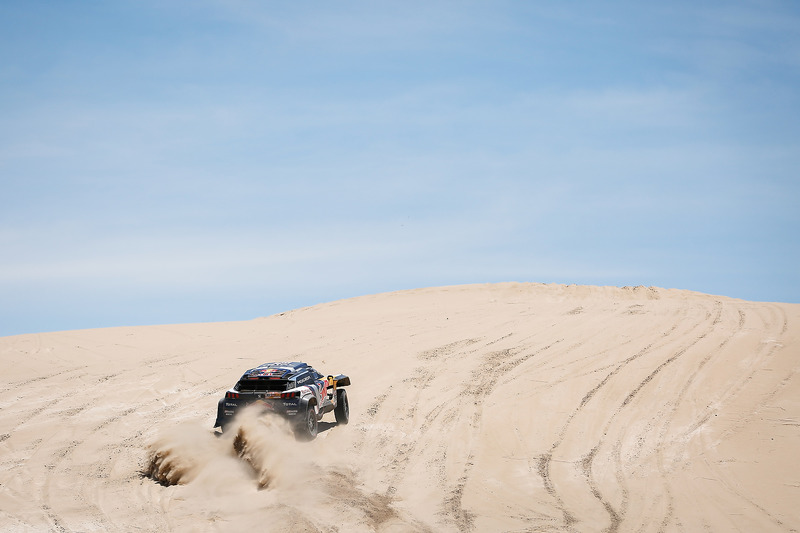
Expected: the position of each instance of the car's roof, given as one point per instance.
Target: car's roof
(279, 370)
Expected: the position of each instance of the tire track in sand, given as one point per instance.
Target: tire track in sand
(777, 323)
(458, 410)
(615, 514)
(75, 456)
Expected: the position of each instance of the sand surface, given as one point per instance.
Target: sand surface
(502, 407)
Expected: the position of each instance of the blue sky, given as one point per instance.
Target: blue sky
(170, 162)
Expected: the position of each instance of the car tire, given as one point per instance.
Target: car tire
(307, 426)
(342, 410)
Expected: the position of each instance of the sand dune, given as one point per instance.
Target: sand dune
(503, 407)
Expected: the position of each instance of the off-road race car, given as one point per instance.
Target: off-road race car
(293, 390)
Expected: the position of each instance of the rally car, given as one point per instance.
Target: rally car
(293, 390)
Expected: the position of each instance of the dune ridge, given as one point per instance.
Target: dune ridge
(494, 407)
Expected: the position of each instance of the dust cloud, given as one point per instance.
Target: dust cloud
(256, 447)
(257, 463)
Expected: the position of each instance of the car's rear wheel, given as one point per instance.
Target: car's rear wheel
(307, 427)
(342, 410)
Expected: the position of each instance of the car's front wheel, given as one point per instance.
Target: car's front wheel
(342, 410)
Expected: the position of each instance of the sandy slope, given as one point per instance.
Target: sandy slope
(508, 407)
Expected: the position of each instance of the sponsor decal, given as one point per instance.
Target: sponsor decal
(267, 372)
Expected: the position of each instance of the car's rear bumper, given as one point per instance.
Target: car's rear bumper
(227, 408)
